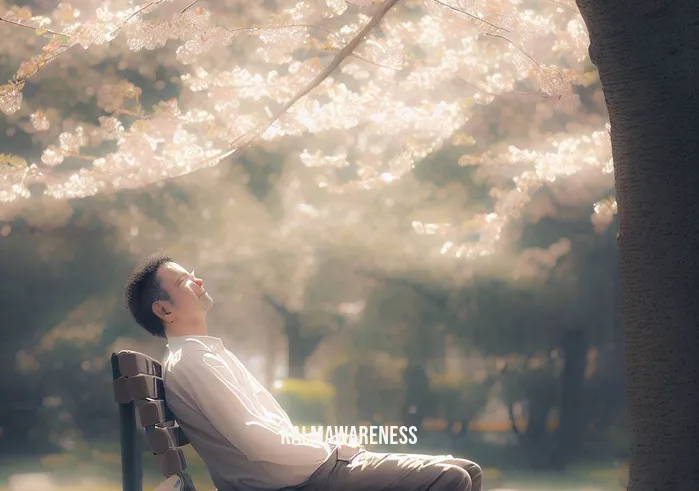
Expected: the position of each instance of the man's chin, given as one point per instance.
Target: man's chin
(207, 300)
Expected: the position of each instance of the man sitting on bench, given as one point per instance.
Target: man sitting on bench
(237, 427)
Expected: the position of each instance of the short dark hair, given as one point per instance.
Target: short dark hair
(142, 289)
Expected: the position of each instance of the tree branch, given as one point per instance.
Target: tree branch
(191, 4)
(278, 306)
(33, 28)
(327, 71)
(467, 14)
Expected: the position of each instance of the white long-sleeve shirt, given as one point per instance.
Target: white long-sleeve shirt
(234, 424)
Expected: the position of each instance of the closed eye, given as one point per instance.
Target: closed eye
(185, 279)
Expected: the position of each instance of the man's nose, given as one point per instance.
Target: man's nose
(199, 281)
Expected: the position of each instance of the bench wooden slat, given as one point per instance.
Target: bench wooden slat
(132, 363)
(171, 462)
(154, 412)
(161, 438)
(127, 389)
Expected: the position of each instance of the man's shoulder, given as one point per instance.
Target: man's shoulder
(185, 359)
(189, 349)
(192, 356)
(195, 345)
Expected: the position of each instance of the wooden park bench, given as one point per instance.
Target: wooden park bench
(139, 390)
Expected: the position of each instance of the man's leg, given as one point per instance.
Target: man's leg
(370, 471)
(473, 469)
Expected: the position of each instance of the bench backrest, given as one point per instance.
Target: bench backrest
(138, 388)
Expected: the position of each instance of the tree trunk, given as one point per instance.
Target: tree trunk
(271, 358)
(417, 394)
(536, 436)
(572, 416)
(300, 347)
(647, 53)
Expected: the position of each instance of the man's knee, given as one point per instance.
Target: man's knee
(452, 478)
(474, 471)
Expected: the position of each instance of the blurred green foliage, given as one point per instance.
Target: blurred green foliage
(307, 402)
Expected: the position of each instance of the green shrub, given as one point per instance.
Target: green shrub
(307, 402)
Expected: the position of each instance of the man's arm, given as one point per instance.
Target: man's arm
(210, 382)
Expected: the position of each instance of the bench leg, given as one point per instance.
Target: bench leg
(131, 440)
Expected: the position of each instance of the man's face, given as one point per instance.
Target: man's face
(188, 297)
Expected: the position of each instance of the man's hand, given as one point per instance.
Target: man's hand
(346, 451)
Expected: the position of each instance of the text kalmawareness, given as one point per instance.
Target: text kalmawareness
(362, 435)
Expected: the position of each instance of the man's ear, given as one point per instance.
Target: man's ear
(162, 309)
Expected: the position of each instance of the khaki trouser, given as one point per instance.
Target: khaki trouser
(368, 471)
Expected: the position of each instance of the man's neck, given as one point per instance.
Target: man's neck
(187, 329)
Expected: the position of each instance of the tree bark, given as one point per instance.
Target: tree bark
(647, 54)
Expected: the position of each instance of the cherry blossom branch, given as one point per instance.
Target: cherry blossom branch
(191, 4)
(344, 53)
(140, 10)
(33, 28)
(467, 14)
(306, 26)
(17, 81)
(380, 65)
(282, 26)
(500, 36)
(68, 41)
(524, 53)
(514, 92)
